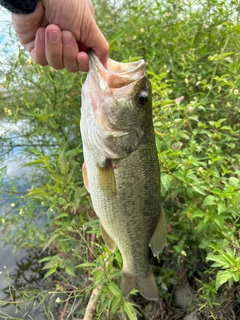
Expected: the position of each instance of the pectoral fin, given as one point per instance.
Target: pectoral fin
(110, 243)
(85, 176)
(107, 179)
(159, 236)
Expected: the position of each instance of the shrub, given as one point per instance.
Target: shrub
(192, 54)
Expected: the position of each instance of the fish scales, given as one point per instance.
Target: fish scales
(121, 169)
(129, 208)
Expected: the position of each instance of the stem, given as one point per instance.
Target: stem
(92, 303)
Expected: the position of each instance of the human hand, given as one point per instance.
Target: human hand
(59, 49)
(55, 36)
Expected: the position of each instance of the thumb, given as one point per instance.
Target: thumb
(99, 45)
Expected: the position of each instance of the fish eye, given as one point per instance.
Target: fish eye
(142, 98)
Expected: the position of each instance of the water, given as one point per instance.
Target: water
(20, 268)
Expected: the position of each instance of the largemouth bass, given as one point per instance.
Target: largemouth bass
(121, 169)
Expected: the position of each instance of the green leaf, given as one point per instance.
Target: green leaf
(117, 35)
(197, 214)
(46, 259)
(34, 162)
(234, 182)
(53, 237)
(115, 305)
(177, 249)
(37, 191)
(199, 190)
(166, 180)
(223, 259)
(70, 271)
(86, 265)
(114, 289)
(51, 271)
(209, 201)
(61, 215)
(222, 277)
(221, 207)
(180, 176)
(229, 257)
(130, 311)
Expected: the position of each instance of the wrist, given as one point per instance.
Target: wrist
(21, 7)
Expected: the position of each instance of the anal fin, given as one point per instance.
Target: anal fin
(159, 235)
(110, 243)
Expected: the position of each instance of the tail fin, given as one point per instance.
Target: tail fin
(145, 283)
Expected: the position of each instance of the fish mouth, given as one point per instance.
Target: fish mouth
(108, 92)
(116, 78)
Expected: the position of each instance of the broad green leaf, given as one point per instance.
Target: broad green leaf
(199, 189)
(197, 214)
(222, 277)
(221, 207)
(114, 289)
(180, 176)
(234, 182)
(166, 181)
(236, 276)
(209, 201)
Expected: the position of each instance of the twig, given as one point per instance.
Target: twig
(91, 307)
(66, 285)
(63, 311)
(78, 304)
(90, 256)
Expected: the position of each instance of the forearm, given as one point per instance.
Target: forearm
(17, 6)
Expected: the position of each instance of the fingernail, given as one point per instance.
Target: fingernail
(67, 40)
(54, 36)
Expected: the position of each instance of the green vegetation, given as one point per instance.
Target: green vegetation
(192, 51)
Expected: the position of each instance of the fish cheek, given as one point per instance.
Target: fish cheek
(124, 145)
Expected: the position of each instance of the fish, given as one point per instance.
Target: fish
(121, 168)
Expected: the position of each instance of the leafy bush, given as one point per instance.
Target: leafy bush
(192, 54)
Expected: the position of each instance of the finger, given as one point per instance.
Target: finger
(100, 47)
(26, 26)
(82, 59)
(38, 53)
(30, 46)
(53, 46)
(90, 5)
(70, 50)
